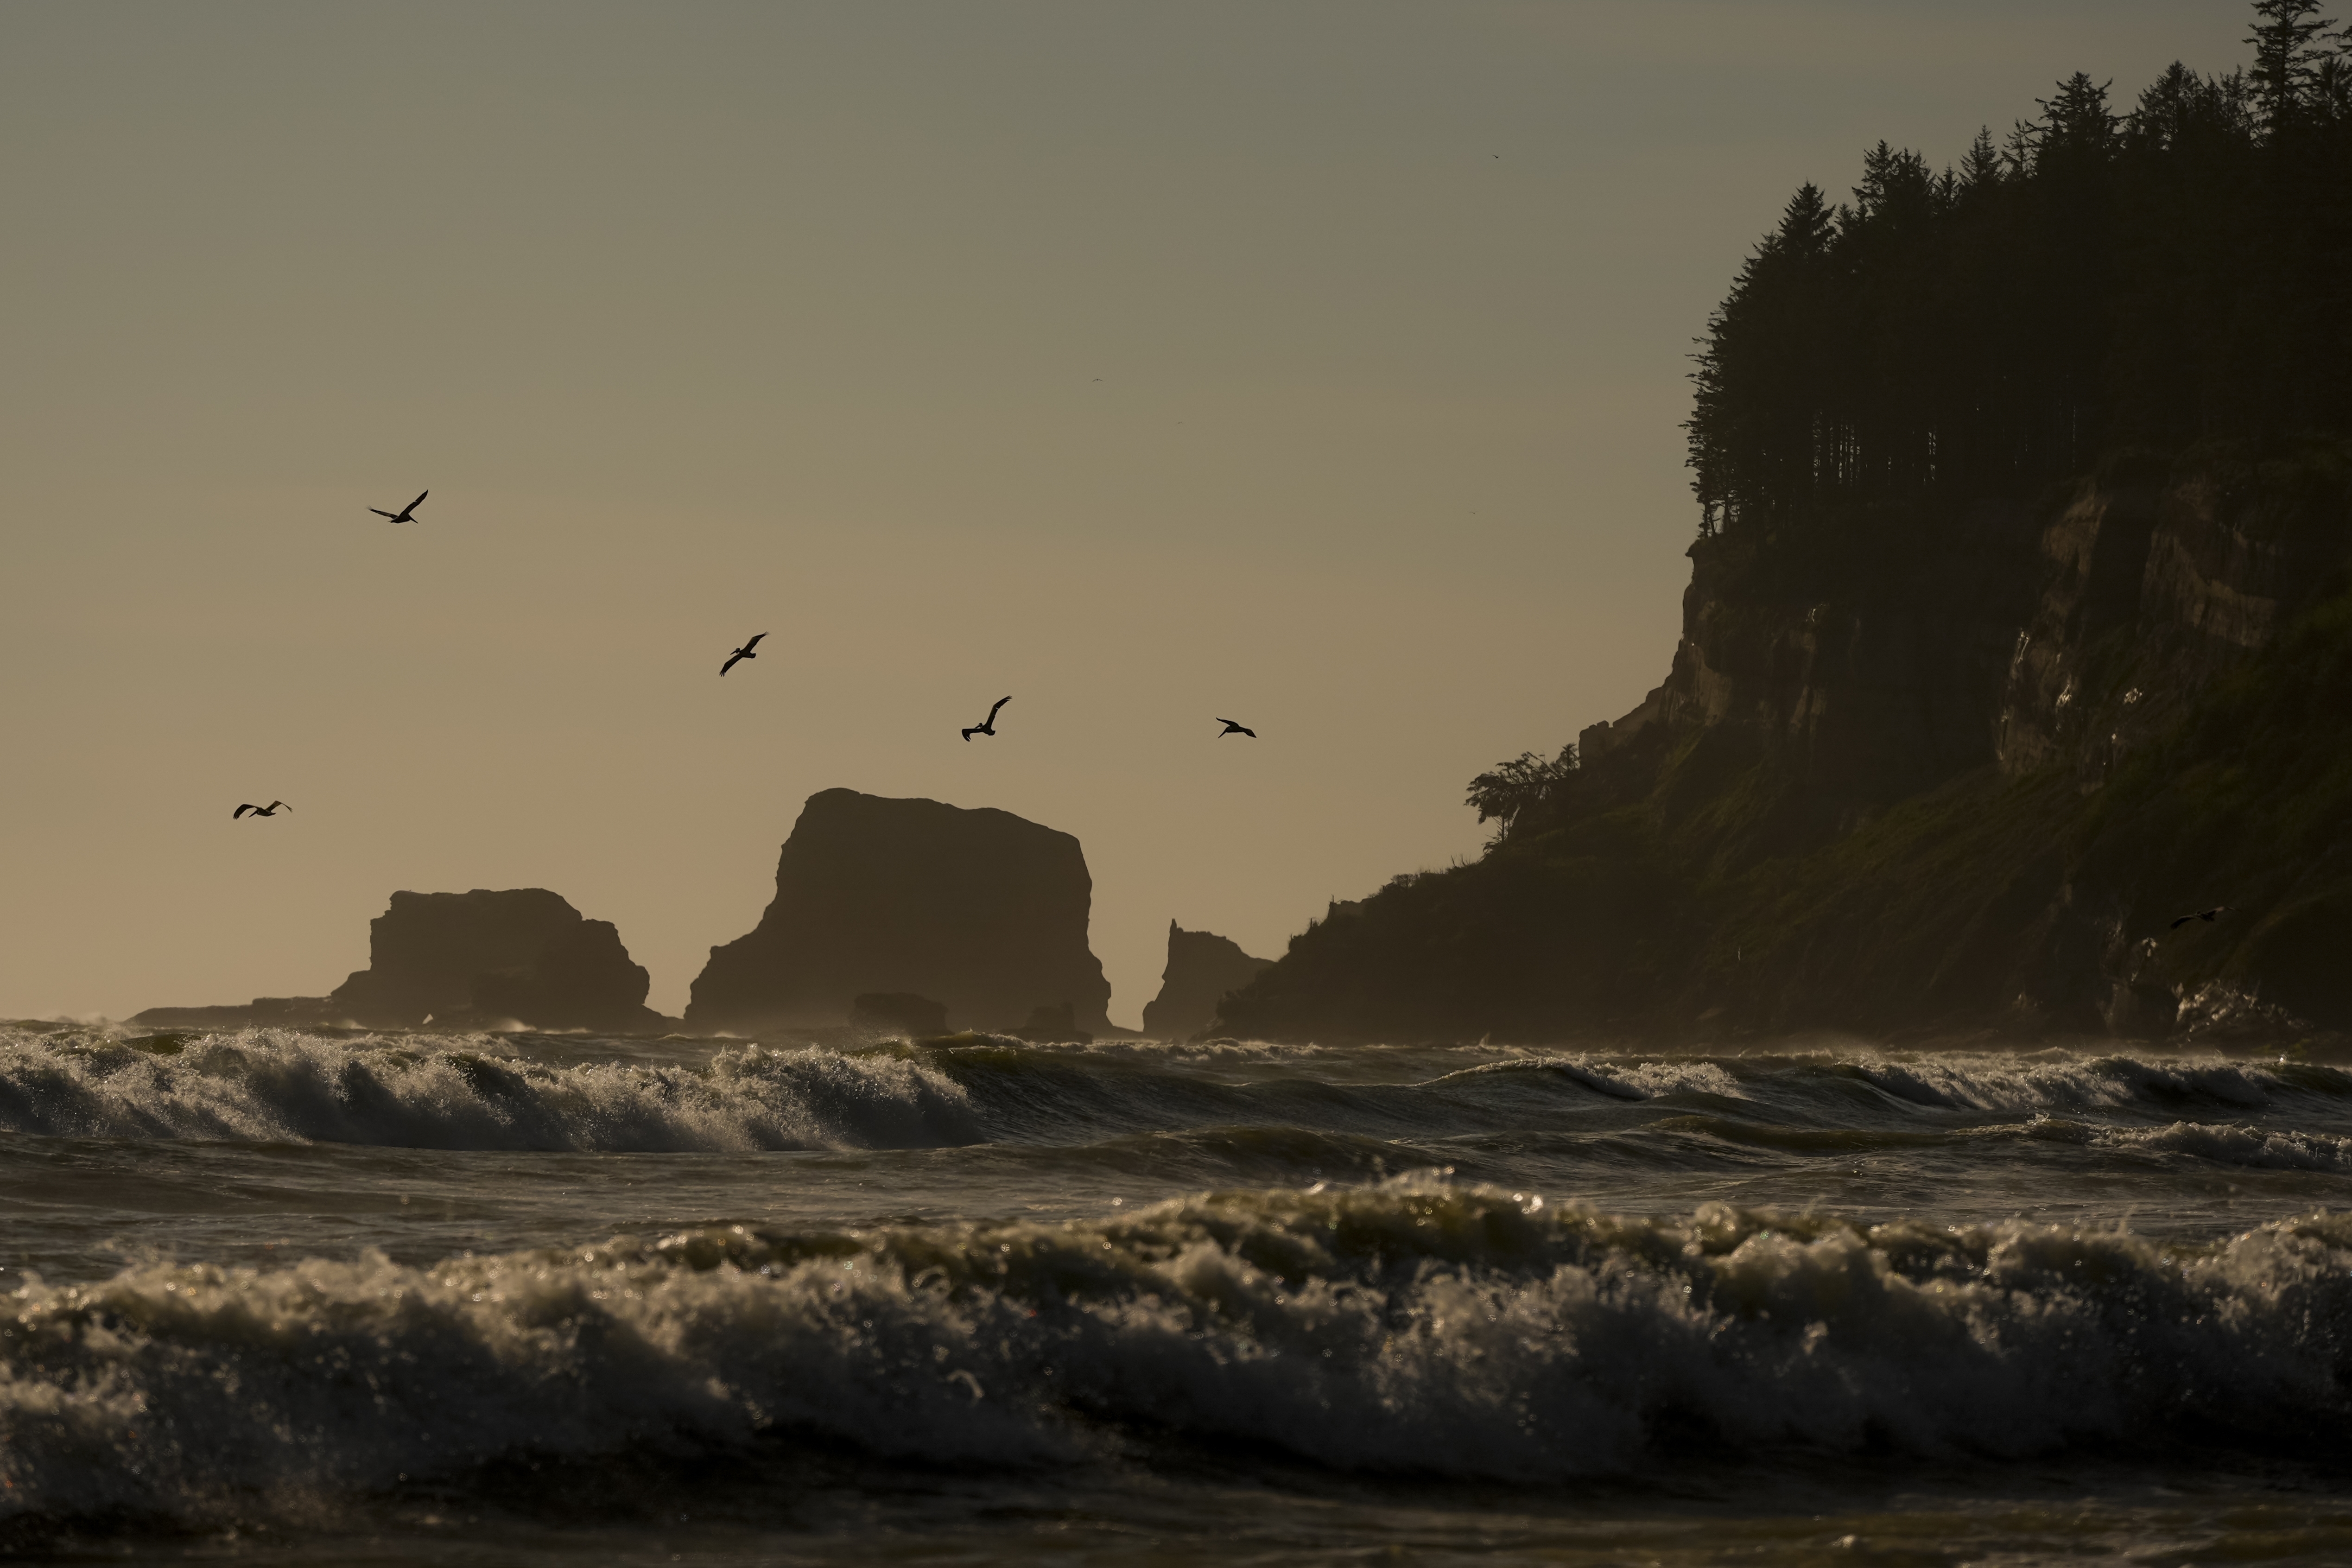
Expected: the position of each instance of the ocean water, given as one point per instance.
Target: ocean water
(342, 1296)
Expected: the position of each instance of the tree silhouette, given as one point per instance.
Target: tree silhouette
(1511, 792)
(2150, 280)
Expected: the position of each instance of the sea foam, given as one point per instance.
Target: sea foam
(1412, 1326)
(282, 1086)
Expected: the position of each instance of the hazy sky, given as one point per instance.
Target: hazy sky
(1319, 365)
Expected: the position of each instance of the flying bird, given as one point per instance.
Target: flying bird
(987, 726)
(270, 810)
(743, 652)
(1233, 728)
(2206, 915)
(407, 513)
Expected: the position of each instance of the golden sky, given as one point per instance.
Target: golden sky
(1318, 365)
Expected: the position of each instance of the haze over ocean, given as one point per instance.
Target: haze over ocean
(1318, 366)
(715, 320)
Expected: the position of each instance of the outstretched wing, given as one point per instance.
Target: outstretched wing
(241, 810)
(412, 506)
(730, 661)
(380, 512)
(967, 734)
(2183, 921)
(753, 643)
(279, 805)
(999, 702)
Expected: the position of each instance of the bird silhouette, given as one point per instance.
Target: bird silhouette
(987, 726)
(743, 652)
(1233, 728)
(270, 810)
(407, 513)
(2205, 915)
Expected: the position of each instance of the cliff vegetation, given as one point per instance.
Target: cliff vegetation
(2020, 624)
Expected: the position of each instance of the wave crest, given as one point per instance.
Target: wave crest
(282, 1086)
(1412, 1326)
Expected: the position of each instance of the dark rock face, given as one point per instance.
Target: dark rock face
(1201, 967)
(898, 1013)
(978, 907)
(464, 960)
(1948, 770)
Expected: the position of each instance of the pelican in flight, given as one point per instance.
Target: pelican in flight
(272, 809)
(1233, 728)
(2205, 915)
(407, 513)
(987, 726)
(743, 652)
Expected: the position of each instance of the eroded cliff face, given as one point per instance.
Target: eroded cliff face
(978, 910)
(1854, 667)
(1915, 771)
(2150, 593)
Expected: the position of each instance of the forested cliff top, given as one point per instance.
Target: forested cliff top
(2020, 623)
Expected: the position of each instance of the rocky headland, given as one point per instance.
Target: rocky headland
(980, 911)
(1202, 968)
(483, 959)
(1942, 773)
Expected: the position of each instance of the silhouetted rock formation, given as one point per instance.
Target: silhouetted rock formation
(980, 908)
(468, 961)
(1951, 770)
(898, 1013)
(1201, 967)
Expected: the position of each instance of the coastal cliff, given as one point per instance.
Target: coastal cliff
(980, 910)
(2019, 625)
(1943, 773)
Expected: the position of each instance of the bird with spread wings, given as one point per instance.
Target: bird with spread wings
(987, 726)
(407, 513)
(743, 652)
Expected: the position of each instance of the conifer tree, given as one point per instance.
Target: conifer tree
(2287, 63)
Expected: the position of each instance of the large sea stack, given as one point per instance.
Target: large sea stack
(978, 910)
(1202, 968)
(467, 961)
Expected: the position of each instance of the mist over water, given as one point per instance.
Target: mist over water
(545, 1296)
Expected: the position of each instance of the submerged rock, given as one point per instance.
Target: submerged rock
(1202, 968)
(468, 961)
(981, 909)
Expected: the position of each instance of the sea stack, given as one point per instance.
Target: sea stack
(980, 910)
(477, 959)
(1201, 967)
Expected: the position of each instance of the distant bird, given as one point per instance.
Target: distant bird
(407, 513)
(743, 652)
(2205, 915)
(1233, 728)
(270, 810)
(987, 726)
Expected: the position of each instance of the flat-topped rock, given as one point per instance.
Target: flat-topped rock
(473, 960)
(981, 910)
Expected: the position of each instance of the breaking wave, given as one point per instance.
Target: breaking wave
(472, 1093)
(1407, 1327)
(281, 1086)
